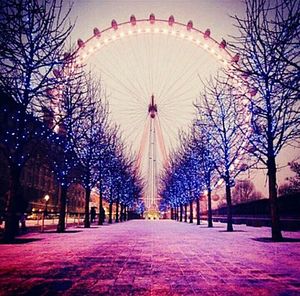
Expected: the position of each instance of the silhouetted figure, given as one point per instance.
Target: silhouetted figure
(93, 214)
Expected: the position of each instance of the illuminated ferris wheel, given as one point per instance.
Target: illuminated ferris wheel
(151, 69)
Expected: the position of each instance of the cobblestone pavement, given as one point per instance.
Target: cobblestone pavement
(151, 258)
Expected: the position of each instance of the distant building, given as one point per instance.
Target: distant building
(37, 179)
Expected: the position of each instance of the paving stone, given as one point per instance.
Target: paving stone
(152, 258)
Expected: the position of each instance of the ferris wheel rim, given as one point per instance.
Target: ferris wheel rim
(81, 45)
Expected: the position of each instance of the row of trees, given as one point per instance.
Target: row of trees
(42, 79)
(240, 128)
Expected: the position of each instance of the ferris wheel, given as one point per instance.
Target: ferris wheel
(151, 69)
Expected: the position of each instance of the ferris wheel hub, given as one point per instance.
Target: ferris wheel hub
(152, 108)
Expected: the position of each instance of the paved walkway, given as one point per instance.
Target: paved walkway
(151, 258)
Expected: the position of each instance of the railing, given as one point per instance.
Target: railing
(41, 221)
(287, 223)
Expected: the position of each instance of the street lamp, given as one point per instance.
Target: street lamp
(46, 198)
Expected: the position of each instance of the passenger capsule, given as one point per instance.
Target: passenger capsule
(223, 44)
(114, 24)
(133, 20)
(152, 18)
(80, 43)
(207, 33)
(171, 20)
(236, 58)
(97, 32)
(189, 26)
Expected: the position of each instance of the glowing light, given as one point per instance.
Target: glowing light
(156, 30)
(182, 35)
(105, 40)
(122, 34)
(139, 30)
(129, 32)
(113, 37)
(147, 30)
(206, 46)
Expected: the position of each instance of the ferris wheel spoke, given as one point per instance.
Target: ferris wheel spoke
(120, 95)
(126, 71)
(190, 70)
(174, 58)
(133, 60)
(115, 73)
(110, 75)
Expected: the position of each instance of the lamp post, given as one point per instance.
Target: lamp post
(46, 198)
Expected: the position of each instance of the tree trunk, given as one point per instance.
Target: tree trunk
(185, 213)
(125, 213)
(177, 211)
(172, 214)
(229, 207)
(191, 212)
(100, 214)
(87, 208)
(117, 210)
(275, 218)
(110, 212)
(209, 212)
(15, 199)
(127, 216)
(62, 210)
(198, 210)
(122, 212)
(181, 210)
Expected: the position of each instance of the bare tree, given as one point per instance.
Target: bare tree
(32, 39)
(91, 129)
(205, 155)
(223, 117)
(244, 191)
(293, 183)
(75, 106)
(269, 47)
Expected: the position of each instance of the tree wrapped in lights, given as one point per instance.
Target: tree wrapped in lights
(202, 144)
(132, 189)
(112, 177)
(193, 177)
(268, 44)
(32, 40)
(75, 107)
(106, 139)
(89, 146)
(223, 117)
(182, 183)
